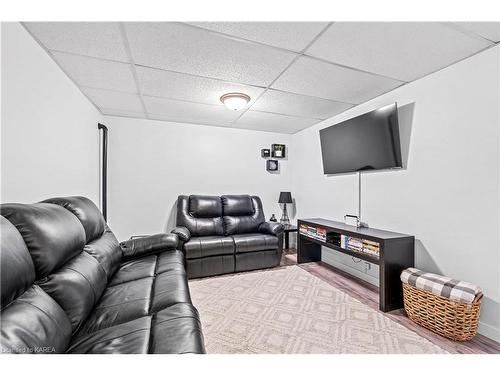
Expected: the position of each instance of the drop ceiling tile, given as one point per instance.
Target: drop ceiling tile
(114, 100)
(186, 49)
(272, 122)
(102, 74)
(298, 105)
(97, 39)
(316, 78)
(289, 35)
(175, 110)
(155, 82)
(402, 50)
(121, 113)
(488, 30)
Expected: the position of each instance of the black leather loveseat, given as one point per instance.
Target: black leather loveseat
(226, 234)
(68, 286)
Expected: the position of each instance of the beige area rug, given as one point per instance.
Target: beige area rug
(288, 310)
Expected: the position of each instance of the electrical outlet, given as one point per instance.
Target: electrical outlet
(368, 267)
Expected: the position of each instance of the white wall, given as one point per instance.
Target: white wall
(448, 195)
(152, 162)
(49, 129)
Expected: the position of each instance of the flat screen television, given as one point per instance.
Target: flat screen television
(367, 142)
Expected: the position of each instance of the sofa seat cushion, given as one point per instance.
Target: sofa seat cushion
(120, 303)
(245, 243)
(135, 269)
(200, 247)
(170, 287)
(176, 329)
(148, 266)
(140, 288)
(170, 261)
(34, 323)
(128, 338)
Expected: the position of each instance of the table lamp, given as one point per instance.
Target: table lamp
(285, 197)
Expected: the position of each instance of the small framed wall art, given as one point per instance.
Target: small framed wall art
(272, 165)
(265, 152)
(278, 150)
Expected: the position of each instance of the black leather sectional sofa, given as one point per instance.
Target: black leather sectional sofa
(226, 234)
(68, 286)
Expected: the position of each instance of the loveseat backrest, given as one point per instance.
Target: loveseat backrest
(200, 214)
(205, 215)
(241, 214)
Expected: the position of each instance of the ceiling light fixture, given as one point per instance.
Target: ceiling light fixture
(235, 100)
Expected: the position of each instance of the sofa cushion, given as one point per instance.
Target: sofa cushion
(245, 243)
(177, 329)
(52, 234)
(34, 323)
(86, 211)
(76, 287)
(134, 269)
(131, 337)
(17, 272)
(101, 243)
(170, 261)
(106, 250)
(242, 214)
(203, 219)
(237, 205)
(205, 206)
(170, 288)
(140, 288)
(120, 303)
(200, 247)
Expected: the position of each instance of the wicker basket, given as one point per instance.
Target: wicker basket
(454, 320)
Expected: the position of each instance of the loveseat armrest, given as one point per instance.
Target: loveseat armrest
(140, 246)
(183, 233)
(272, 228)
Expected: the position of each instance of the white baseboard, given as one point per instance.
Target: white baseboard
(489, 331)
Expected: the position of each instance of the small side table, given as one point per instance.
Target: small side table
(289, 229)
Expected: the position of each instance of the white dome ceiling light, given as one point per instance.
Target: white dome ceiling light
(235, 100)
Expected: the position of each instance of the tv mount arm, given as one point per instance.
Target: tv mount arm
(355, 220)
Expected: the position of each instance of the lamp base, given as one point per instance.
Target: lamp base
(285, 220)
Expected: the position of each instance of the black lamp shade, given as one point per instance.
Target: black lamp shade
(285, 197)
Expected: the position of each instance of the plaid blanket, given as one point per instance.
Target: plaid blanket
(454, 290)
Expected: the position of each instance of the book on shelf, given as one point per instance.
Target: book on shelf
(344, 241)
(317, 233)
(360, 245)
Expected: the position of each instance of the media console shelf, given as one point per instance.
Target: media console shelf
(395, 252)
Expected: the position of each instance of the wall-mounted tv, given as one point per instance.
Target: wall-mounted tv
(366, 142)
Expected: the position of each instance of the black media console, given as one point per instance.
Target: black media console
(392, 252)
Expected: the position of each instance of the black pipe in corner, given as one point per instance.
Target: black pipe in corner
(104, 171)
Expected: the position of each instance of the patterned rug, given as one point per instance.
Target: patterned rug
(288, 310)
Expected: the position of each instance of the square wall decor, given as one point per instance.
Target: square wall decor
(278, 150)
(272, 165)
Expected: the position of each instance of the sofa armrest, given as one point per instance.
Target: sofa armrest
(272, 228)
(183, 233)
(148, 245)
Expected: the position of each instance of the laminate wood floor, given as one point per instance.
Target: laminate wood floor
(368, 294)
